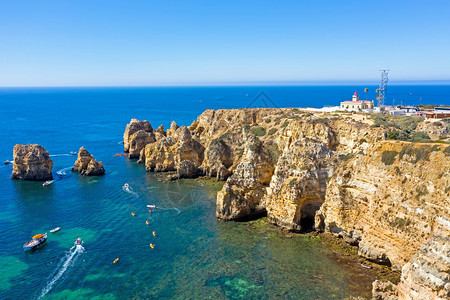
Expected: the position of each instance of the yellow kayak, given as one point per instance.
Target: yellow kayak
(116, 260)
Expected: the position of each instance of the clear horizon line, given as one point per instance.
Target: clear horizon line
(246, 83)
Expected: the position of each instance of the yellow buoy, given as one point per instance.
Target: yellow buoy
(132, 214)
(152, 246)
(146, 222)
(154, 233)
(116, 260)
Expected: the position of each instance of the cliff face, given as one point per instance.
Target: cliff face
(427, 274)
(176, 152)
(298, 186)
(87, 165)
(31, 162)
(397, 186)
(335, 174)
(242, 193)
(394, 202)
(137, 134)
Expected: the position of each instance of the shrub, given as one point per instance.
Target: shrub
(408, 135)
(267, 120)
(259, 131)
(406, 123)
(273, 152)
(421, 191)
(285, 124)
(292, 182)
(447, 151)
(418, 152)
(322, 120)
(388, 157)
(272, 131)
(347, 156)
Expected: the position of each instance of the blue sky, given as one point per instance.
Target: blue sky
(72, 43)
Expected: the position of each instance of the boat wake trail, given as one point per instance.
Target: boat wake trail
(53, 155)
(128, 189)
(154, 207)
(63, 172)
(68, 260)
(169, 208)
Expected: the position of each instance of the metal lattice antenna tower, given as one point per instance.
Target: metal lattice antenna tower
(381, 92)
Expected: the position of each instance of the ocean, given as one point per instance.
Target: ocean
(195, 256)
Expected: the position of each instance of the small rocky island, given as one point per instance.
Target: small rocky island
(87, 165)
(345, 174)
(31, 162)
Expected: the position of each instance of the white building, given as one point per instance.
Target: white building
(356, 104)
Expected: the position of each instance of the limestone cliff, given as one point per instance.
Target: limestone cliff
(87, 165)
(397, 186)
(168, 153)
(31, 162)
(394, 203)
(334, 173)
(298, 186)
(427, 274)
(242, 193)
(137, 134)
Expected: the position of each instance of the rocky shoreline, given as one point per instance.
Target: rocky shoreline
(332, 173)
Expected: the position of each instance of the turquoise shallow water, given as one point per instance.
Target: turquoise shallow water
(195, 255)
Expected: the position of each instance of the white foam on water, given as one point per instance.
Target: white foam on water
(130, 191)
(63, 171)
(67, 261)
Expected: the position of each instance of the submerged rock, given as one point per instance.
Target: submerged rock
(87, 165)
(31, 162)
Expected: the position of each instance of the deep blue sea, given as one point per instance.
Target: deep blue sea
(195, 255)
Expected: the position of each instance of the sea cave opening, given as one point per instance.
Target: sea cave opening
(307, 215)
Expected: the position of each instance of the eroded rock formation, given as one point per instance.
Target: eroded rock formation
(130, 133)
(87, 165)
(31, 162)
(337, 174)
(242, 193)
(169, 152)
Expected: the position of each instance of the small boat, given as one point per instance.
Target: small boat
(78, 241)
(133, 214)
(147, 222)
(152, 246)
(55, 229)
(154, 233)
(116, 260)
(48, 182)
(35, 242)
(126, 186)
(72, 153)
(151, 206)
(7, 162)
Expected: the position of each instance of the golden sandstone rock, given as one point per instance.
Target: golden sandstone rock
(31, 162)
(87, 165)
(329, 173)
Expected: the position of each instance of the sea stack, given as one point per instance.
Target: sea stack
(87, 165)
(31, 162)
